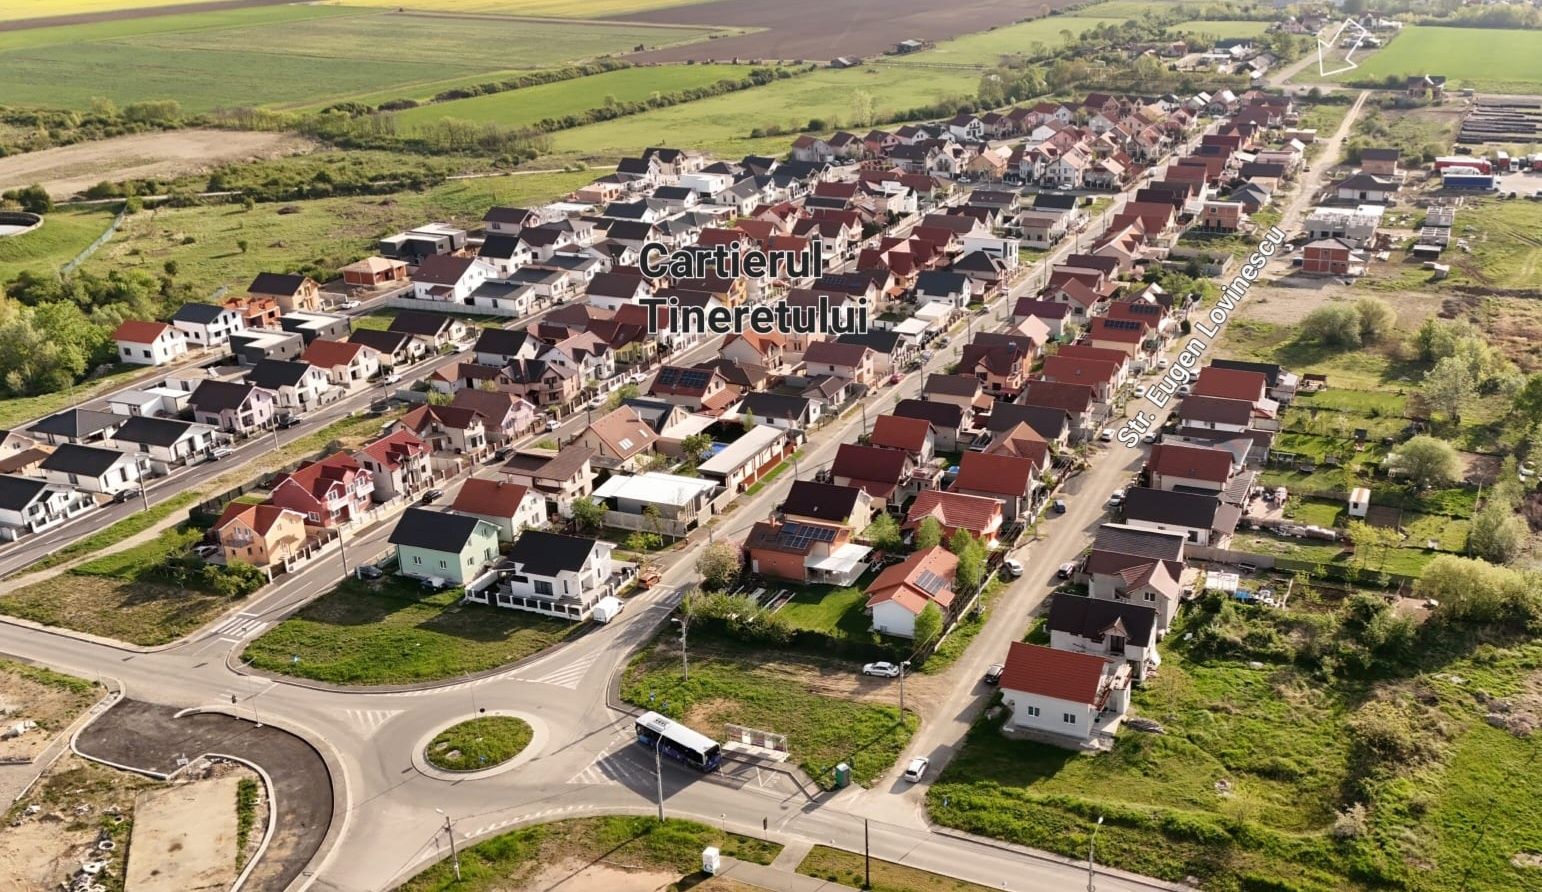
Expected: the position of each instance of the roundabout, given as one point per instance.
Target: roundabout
(489, 744)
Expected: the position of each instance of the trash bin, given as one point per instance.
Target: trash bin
(842, 776)
(711, 861)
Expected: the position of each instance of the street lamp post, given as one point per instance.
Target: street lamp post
(905, 664)
(1091, 848)
(658, 773)
(449, 829)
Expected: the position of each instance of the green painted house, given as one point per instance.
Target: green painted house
(452, 547)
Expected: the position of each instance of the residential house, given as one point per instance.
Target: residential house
(80, 426)
(448, 430)
(552, 574)
(1010, 479)
(1202, 519)
(1051, 425)
(914, 436)
(311, 326)
(700, 390)
(1221, 216)
(93, 469)
(962, 390)
(260, 535)
(399, 463)
(946, 419)
(331, 492)
(511, 507)
(1332, 257)
(951, 289)
(620, 439)
(829, 503)
(394, 349)
(1001, 368)
(450, 278)
(1209, 413)
(981, 516)
(504, 415)
(1117, 631)
(1076, 400)
(885, 474)
(30, 506)
(435, 330)
(149, 343)
(853, 362)
(1071, 698)
(1380, 162)
(744, 461)
(165, 441)
(373, 272)
(452, 548)
(904, 590)
(291, 293)
(750, 348)
(260, 313)
(560, 477)
(206, 325)
(297, 386)
(786, 412)
(1367, 187)
(239, 408)
(345, 363)
(802, 552)
(1183, 467)
(252, 345)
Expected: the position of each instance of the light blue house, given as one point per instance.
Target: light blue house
(451, 547)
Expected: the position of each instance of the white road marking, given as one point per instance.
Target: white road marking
(240, 627)
(367, 720)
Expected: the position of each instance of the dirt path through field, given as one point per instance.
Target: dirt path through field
(69, 170)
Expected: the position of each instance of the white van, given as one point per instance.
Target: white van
(607, 609)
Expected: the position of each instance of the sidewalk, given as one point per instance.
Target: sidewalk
(775, 879)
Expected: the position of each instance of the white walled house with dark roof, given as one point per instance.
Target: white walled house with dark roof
(552, 574)
(449, 279)
(92, 468)
(231, 406)
(296, 385)
(165, 441)
(207, 325)
(28, 505)
(1118, 631)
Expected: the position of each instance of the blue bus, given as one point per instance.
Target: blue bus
(678, 742)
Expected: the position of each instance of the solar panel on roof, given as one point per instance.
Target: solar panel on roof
(930, 582)
(797, 535)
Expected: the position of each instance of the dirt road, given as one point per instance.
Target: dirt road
(68, 170)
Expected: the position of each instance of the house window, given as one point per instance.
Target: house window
(417, 560)
(443, 565)
(1068, 718)
(1033, 711)
(542, 587)
(1150, 596)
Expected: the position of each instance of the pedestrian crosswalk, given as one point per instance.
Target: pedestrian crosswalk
(619, 767)
(367, 720)
(555, 671)
(240, 627)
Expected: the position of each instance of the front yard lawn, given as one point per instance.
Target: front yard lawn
(769, 691)
(391, 632)
(145, 613)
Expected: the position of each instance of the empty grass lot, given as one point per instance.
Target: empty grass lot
(760, 690)
(292, 55)
(1223, 28)
(723, 124)
(515, 859)
(1481, 58)
(522, 108)
(63, 235)
(480, 743)
(145, 613)
(392, 632)
(848, 868)
(328, 231)
(984, 48)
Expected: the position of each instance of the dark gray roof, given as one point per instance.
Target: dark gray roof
(507, 215)
(197, 313)
(1171, 508)
(217, 396)
(499, 247)
(87, 461)
(1144, 543)
(1059, 201)
(16, 493)
(885, 342)
(1047, 422)
(276, 373)
(1093, 617)
(775, 405)
(275, 283)
(420, 323)
(384, 341)
(1267, 369)
(434, 530)
(501, 341)
(952, 385)
(824, 501)
(937, 281)
(152, 431)
(548, 554)
(943, 416)
(76, 423)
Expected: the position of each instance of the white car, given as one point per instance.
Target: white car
(552, 424)
(1067, 570)
(1140, 391)
(882, 670)
(917, 768)
(1106, 435)
(1148, 439)
(1162, 363)
(1013, 567)
(1185, 390)
(390, 378)
(1117, 499)
(350, 304)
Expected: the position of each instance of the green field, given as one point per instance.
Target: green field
(328, 231)
(1223, 28)
(589, 9)
(984, 48)
(392, 633)
(62, 236)
(722, 124)
(1480, 58)
(479, 743)
(521, 108)
(292, 55)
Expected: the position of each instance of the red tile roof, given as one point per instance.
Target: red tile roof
(1073, 398)
(135, 331)
(1072, 370)
(874, 469)
(1004, 474)
(489, 498)
(394, 449)
(1061, 674)
(260, 518)
(329, 354)
(955, 511)
(895, 432)
(907, 584)
(1196, 462)
(1231, 384)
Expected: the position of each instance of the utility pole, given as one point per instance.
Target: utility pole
(449, 829)
(1091, 848)
(685, 626)
(867, 858)
(905, 664)
(658, 773)
(342, 549)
